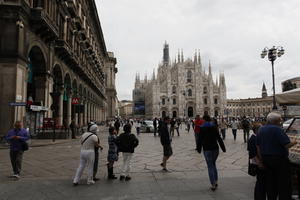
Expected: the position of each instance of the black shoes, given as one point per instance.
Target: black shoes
(127, 178)
(75, 184)
(96, 179)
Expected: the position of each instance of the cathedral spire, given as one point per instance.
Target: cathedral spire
(166, 56)
(199, 58)
(179, 56)
(209, 68)
(182, 58)
(153, 75)
(195, 57)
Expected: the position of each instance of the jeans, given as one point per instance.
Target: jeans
(16, 158)
(125, 169)
(86, 160)
(211, 158)
(137, 130)
(246, 135)
(197, 139)
(234, 133)
(223, 132)
(260, 191)
(278, 176)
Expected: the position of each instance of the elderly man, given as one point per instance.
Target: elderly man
(272, 146)
(17, 137)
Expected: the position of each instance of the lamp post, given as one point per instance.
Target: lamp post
(272, 53)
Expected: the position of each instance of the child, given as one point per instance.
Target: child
(112, 153)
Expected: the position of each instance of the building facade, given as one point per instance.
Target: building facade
(181, 89)
(53, 58)
(251, 107)
(126, 109)
(290, 84)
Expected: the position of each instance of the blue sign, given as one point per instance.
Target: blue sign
(18, 104)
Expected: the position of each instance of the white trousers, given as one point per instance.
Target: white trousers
(87, 158)
(126, 164)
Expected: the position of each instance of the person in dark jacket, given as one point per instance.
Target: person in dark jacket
(155, 126)
(126, 143)
(166, 140)
(209, 141)
(117, 125)
(246, 128)
(260, 191)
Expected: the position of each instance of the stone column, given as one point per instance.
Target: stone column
(61, 108)
(69, 115)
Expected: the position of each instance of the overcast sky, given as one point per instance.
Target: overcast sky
(230, 33)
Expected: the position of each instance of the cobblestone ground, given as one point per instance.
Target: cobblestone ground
(48, 172)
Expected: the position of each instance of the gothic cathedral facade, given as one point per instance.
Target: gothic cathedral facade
(181, 89)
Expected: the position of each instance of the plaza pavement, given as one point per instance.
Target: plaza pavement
(48, 172)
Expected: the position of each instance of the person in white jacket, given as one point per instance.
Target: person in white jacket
(89, 141)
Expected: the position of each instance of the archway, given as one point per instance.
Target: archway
(67, 96)
(190, 111)
(75, 95)
(57, 105)
(174, 114)
(36, 77)
(163, 114)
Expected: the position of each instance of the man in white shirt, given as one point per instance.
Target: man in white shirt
(89, 141)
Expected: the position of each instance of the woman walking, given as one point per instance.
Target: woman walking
(112, 153)
(210, 140)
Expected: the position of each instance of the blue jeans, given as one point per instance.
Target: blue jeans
(211, 158)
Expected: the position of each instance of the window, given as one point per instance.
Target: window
(190, 92)
(174, 101)
(189, 76)
(163, 101)
(174, 89)
(205, 101)
(216, 101)
(205, 90)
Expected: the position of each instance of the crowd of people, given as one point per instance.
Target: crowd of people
(268, 149)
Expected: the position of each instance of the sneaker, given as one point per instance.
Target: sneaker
(96, 179)
(16, 176)
(128, 178)
(122, 178)
(75, 184)
(91, 182)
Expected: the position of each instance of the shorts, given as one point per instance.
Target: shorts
(168, 150)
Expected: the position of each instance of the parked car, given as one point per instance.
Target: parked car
(147, 126)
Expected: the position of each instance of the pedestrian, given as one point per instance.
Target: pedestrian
(126, 143)
(198, 123)
(112, 155)
(155, 126)
(234, 127)
(246, 128)
(188, 125)
(172, 126)
(117, 125)
(223, 127)
(17, 138)
(138, 127)
(273, 145)
(178, 123)
(166, 140)
(260, 192)
(210, 140)
(89, 141)
(73, 129)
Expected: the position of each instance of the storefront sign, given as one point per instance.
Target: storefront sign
(38, 108)
(18, 104)
(75, 101)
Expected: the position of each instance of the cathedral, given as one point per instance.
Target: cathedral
(180, 89)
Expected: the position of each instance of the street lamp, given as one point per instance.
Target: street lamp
(272, 53)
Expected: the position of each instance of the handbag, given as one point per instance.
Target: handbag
(25, 146)
(252, 169)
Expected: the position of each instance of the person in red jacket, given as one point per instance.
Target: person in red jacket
(198, 122)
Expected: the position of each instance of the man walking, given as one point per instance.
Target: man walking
(17, 138)
(166, 140)
(155, 126)
(126, 143)
(246, 128)
(272, 145)
(234, 127)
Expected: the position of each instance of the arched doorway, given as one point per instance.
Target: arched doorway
(67, 96)
(190, 111)
(57, 102)
(36, 77)
(75, 95)
(163, 114)
(174, 115)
